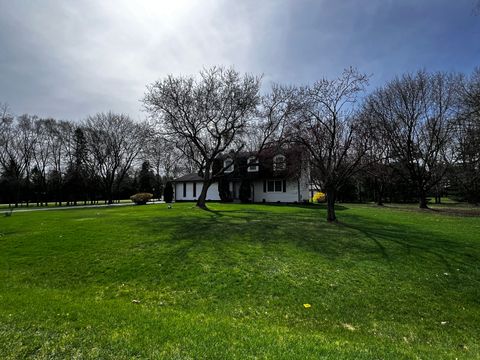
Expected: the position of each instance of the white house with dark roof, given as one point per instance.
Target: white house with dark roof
(272, 176)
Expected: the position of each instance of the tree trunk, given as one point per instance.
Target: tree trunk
(109, 199)
(331, 196)
(201, 201)
(380, 195)
(17, 194)
(423, 199)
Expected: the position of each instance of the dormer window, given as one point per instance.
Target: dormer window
(252, 163)
(228, 166)
(279, 162)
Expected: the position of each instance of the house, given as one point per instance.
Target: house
(188, 187)
(272, 175)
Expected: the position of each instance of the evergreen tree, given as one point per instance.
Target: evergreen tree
(168, 193)
(245, 191)
(146, 178)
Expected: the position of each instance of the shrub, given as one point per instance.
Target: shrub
(223, 191)
(168, 193)
(318, 197)
(141, 198)
(245, 191)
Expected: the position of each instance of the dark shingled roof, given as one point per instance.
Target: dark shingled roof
(265, 161)
(189, 177)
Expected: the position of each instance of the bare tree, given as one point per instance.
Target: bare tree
(470, 96)
(331, 133)
(416, 114)
(269, 127)
(11, 162)
(378, 162)
(467, 167)
(165, 159)
(6, 129)
(203, 116)
(5, 112)
(114, 141)
(58, 133)
(42, 157)
(17, 145)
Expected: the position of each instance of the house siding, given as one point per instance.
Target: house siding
(295, 191)
(212, 193)
(290, 194)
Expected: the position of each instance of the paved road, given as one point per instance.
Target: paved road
(17, 210)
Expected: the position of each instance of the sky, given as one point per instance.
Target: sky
(71, 59)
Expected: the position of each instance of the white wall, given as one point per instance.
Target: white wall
(212, 193)
(290, 195)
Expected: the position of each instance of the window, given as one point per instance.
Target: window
(228, 166)
(270, 186)
(184, 189)
(194, 189)
(279, 163)
(275, 186)
(252, 163)
(278, 186)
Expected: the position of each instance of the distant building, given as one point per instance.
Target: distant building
(273, 176)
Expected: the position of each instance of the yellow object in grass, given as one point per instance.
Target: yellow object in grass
(306, 306)
(318, 197)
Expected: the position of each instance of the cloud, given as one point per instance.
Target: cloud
(71, 59)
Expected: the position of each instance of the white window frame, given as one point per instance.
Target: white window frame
(227, 169)
(276, 162)
(252, 167)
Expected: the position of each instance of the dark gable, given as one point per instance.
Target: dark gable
(293, 158)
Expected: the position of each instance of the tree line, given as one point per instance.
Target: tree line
(107, 157)
(415, 137)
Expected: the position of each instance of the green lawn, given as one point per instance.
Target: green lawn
(231, 283)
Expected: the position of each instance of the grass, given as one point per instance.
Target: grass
(385, 283)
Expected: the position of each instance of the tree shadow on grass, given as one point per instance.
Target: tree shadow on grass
(233, 248)
(458, 210)
(222, 213)
(355, 236)
(411, 241)
(226, 228)
(315, 207)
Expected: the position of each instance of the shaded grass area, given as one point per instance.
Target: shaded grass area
(231, 283)
(447, 207)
